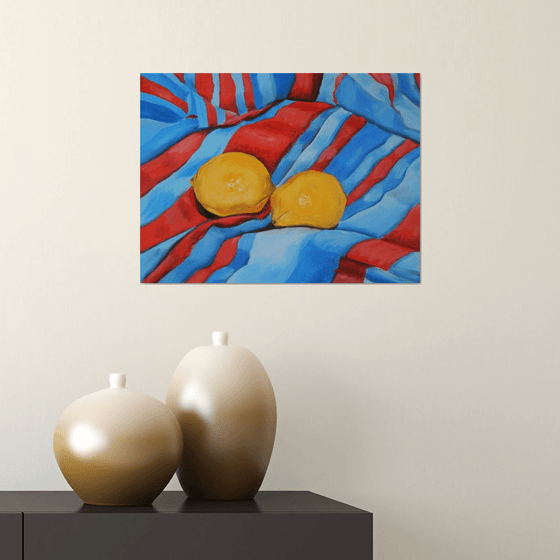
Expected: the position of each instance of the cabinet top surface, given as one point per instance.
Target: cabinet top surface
(176, 502)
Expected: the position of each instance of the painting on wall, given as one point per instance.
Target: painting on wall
(280, 178)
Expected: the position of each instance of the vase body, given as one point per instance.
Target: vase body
(225, 405)
(117, 447)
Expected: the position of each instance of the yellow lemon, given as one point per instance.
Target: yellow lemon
(232, 183)
(310, 198)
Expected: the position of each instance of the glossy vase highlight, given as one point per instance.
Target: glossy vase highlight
(118, 447)
(225, 405)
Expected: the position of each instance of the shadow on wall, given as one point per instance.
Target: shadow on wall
(393, 540)
(325, 429)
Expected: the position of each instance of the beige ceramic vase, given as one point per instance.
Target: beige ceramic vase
(226, 408)
(117, 447)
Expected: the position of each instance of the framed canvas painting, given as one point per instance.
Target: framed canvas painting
(280, 178)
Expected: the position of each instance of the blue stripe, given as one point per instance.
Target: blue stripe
(321, 142)
(319, 256)
(200, 110)
(149, 128)
(327, 88)
(204, 252)
(152, 107)
(364, 168)
(216, 93)
(239, 91)
(372, 87)
(257, 97)
(407, 84)
(272, 256)
(364, 141)
(379, 276)
(408, 267)
(152, 257)
(283, 84)
(166, 138)
(296, 255)
(220, 115)
(301, 143)
(392, 181)
(353, 98)
(168, 191)
(267, 88)
(408, 111)
(390, 211)
(240, 260)
(190, 80)
(171, 83)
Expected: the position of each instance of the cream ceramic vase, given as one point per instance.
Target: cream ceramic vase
(118, 447)
(225, 405)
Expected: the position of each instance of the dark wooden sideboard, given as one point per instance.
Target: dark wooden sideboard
(273, 526)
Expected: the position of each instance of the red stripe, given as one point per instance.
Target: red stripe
(349, 272)
(387, 81)
(224, 256)
(381, 170)
(232, 119)
(378, 253)
(269, 140)
(147, 86)
(407, 233)
(211, 114)
(417, 78)
(164, 165)
(382, 253)
(183, 215)
(181, 77)
(248, 92)
(344, 135)
(184, 247)
(227, 93)
(306, 87)
(339, 79)
(205, 87)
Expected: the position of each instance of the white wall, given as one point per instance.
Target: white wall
(434, 406)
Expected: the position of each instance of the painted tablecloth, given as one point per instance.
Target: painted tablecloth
(362, 128)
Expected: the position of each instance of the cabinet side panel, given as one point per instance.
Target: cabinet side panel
(11, 536)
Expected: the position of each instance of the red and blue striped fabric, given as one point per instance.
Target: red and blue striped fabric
(362, 128)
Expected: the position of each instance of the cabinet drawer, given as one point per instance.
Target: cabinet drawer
(200, 536)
